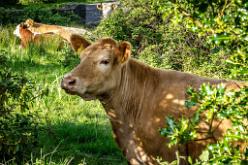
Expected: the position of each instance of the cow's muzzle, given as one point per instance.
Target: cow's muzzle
(68, 83)
(71, 85)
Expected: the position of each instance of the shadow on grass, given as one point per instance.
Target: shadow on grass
(91, 143)
(33, 66)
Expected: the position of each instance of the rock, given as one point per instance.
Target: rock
(90, 14)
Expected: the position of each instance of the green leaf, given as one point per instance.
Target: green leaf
(190, 160)
(196, 118)
(204, 156)
(170, 122)
(189, 104)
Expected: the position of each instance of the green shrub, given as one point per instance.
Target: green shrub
(238, 64)
(147, 27)
(39, 13)
(8, 2)
(224, 25)
(27, 2)
(115, 26)
(207, 38)
(213, 103)
(49, 15)
(153, 57)
(19, 127)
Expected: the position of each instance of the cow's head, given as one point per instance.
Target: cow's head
(99, 69)
(24, 34)
(106, 8)
(29, 22)
(20, 30)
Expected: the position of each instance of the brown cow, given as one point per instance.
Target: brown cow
(136, 98)
(27, 37)
(62, 31)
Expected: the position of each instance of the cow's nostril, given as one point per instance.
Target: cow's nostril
(72, 82)
(68, 82)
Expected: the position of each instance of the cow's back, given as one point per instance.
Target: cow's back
(167, 99)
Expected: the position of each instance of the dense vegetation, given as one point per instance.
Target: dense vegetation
(28, 2)
(214, 103)
(46, 11)
(40, 124)
(208, 38)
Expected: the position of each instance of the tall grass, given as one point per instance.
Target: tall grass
(71, 130)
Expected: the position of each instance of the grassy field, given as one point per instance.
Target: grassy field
(72, 131)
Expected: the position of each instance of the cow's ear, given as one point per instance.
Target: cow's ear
(29, 22)
(125, 49)
(78, 43)
(23, 25)
(99, 6)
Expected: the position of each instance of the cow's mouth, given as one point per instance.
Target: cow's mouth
(71, 89)
(87, 96)
(70, 92)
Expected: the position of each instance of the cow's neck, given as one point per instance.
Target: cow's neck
(127, 100)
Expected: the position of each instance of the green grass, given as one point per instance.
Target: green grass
(72, 131)
(85, 1)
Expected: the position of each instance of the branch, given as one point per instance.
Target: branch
(217, 126)
(211, 123)
(209, 137)
(184, 12)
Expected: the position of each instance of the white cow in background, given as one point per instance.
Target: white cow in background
(107, 8)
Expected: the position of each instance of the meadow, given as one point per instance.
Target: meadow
(71, 130)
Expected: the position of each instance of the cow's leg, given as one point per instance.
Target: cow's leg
(132, 148)
(136, 155)
(128, 141)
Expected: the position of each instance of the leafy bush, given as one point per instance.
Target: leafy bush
(24, 2)
(205, 37)
(19, 127)
(38, 13)
(9, 2)
(150, 55)
(27, 2)
(213, 104)
(224, 25)
(147, 26)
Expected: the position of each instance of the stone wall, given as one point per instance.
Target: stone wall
(90, 14)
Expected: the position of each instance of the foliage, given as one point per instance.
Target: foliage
(205, 37)
(30, 2)
(224, 25)
(141, 23)
(213, 104)
(9, 2)
(69, 57)
(18, 133)
(238, 63)
(150, 56)
(39, 13)
(26, 2)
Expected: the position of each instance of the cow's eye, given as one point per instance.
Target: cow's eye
(105, 62)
